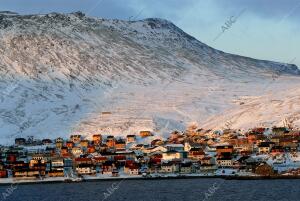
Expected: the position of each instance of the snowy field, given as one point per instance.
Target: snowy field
(68, 74)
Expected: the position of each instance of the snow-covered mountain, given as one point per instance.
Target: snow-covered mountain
(63, 74)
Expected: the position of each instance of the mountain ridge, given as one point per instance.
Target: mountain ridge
(61, 72)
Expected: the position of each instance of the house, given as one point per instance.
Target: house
(11, 156)
(20, 141)
(38, 165)
(154, 167)
(69, 144)
(131, 168)
(144, 134)
(97, 139)
(103, 148)
(99, 160)
(110, 141)
(171, 155)
(68, 166)
(186, 168)
(130, 138)
(279, 130)
(154, 150)
(169, 167)
(156, 142)
(251, 137)
(50, 150)
(196, 154)
(3, 173)
(208, 168)
(258, 130)
(189, 145)
(221, 149)
(56, 173)
(260, 139)
(276, 139)
(115, 173)
(57, 167)
(75, 138)
(84, 166)
(77, 151)
(120, 159)
(277, 150)
(265, 147)
(85, 169)
(241, 144)
(175, 147)
(35, 173)
(79, 161)
(224, 162)
(208, 160)
(289, 144)
(46, 141)
(120, 145)
(64, 150)
(68, 162)
(130, 155)
(107, 167)
(20, 168)
(59, 143)
(134, 170)
(91, 149)
(84, 143)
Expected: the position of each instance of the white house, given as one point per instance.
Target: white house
(171, 155)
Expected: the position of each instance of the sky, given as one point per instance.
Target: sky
(262, 29)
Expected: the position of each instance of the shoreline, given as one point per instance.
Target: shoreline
(163, 177)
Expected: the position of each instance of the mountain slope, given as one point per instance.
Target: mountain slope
(68, 73)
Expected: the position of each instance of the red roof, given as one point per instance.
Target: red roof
(197, 153)
(157, 156)
(66, 155)
(100, 158)
(133, 167)
(259, 130)
(129, 162)
(156, 160)
(120, 158)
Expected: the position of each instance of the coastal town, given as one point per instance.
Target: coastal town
(194, 152)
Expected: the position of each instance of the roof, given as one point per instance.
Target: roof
(108, 163)
(224, 158)
(175, 145)
(198, 153)
(169, 163)
(186, 164)
(206, 158)
(223, 146)
(265, 144)
(171, 152)
(100, 158)
(83, 159)
(196, 149)
(120, 157)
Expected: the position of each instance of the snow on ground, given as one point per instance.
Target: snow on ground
(70, 74)
(286, 161)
